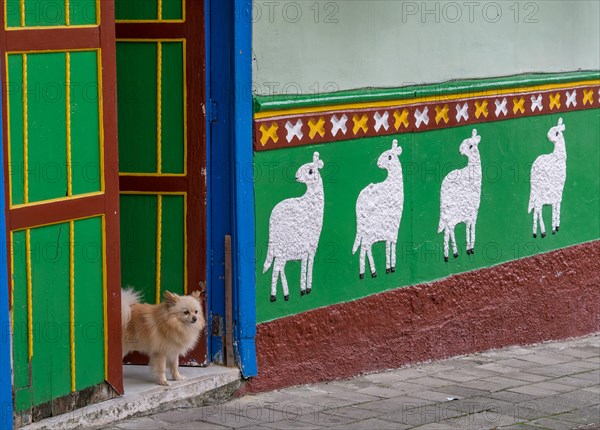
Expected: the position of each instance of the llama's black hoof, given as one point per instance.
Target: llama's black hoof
(361, 276)
(374, 275)
(557, 227)
(387, 271)
(308, 290)
(446, 259)
(456, 255)
(534, 235)
(393, 269)
(302, 292)
(553, 231)
(286, 298)
(468, 252)
(543, 235)
(273, 298)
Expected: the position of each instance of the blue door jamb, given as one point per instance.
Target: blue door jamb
(230, 201)
(6, 413)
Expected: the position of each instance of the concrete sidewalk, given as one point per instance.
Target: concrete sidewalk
(551, 385)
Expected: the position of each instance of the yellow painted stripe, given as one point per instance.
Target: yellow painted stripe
(159, 7)
(159, 107)
(22, 10)
(158, 244)
(185, 246)
(12, 281)
(25, 134)
(29, 294)
(68, 110)
(72, 300)
(101, 117)
(105, 297)
(439, 98)
(67, 13)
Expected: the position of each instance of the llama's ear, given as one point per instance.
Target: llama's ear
(474, 133)
(561, 125)
(394, 143)
(318, 163)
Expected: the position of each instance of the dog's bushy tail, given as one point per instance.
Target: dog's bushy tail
(128, 297)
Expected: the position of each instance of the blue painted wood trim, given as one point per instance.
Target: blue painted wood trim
(230, 187)
(243, 213)
(218, 159)
(6, 403)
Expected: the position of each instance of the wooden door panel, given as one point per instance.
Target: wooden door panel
(62, 200)
(160, 57)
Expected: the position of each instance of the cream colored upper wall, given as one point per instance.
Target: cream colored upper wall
(308, 46)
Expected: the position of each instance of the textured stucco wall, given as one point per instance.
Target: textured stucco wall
(306, 46)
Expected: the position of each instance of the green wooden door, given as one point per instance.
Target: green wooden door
(60, 140)
(160, 75)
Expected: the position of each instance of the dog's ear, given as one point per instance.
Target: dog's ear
(170, 298)
(196, 295)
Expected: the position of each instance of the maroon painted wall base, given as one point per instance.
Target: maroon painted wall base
(549, 296)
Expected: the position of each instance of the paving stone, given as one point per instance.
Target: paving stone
(195, 425)
(456, 376)
(371, 424)
(397, 404)
(575, 382)
(143, 423)
(553, 423)
(554, 386)
(499, 368)
(538, 392)
(355, 413)
(528, 377)
(482, 420)
(386, 377)
(460, 391)
(379, 391)
(584, 416)
(435, 396)
(511, 396)
(429, 381)
(546, 358)
(407, 387)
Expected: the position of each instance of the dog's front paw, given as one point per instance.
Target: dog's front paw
(163, 382)
(179, 378)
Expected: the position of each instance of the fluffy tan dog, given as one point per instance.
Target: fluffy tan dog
(164, 331)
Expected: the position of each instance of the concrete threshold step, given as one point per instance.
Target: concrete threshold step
(143, 396)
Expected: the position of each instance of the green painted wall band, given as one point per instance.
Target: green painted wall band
(283, 102)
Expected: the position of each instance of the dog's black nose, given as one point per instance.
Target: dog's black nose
(194, 319)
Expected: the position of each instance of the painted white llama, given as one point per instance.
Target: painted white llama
(548, 175)
(378, 213)
(460, 197)
(295, 228)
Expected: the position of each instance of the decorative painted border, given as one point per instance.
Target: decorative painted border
(313, 125)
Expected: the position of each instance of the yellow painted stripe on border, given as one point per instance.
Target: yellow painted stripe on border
(159, 10)
(29, 294)
(22, 10)
(25, 134)
(159, 107)
(105, 297)
(68, 109)
(67, 14)
(439, 98)
(12, 282)
(158, 244)
(72, 300)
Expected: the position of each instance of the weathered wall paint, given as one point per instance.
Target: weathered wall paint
(507, 149)
(548, 296)
(319, 46)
